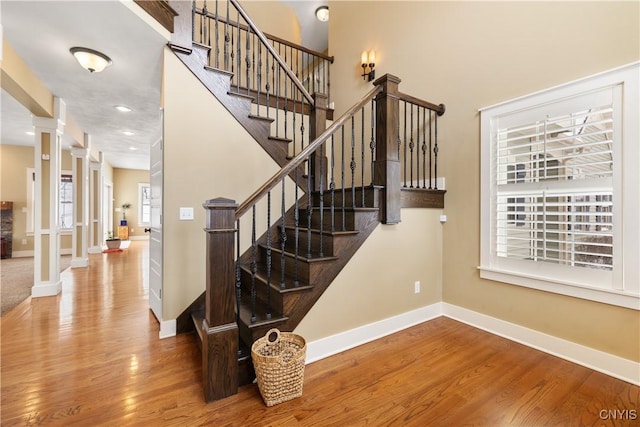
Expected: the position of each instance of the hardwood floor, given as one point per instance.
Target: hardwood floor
(91, 356)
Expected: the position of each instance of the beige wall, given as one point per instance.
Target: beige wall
(125, 190)
(14, 161)
(274, 18)
(378, 282)
(473, 54)
(201, 162)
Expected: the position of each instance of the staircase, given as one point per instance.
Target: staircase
(270, 258)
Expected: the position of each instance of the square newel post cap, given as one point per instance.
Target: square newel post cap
(387, 78)
(220, 203)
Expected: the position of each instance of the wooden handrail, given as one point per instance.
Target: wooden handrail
(296, 161)
(272, 50)
(222, 20)
(440, 109)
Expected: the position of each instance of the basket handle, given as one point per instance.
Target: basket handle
(269, 334)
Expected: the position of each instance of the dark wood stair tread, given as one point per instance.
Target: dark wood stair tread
(263, 118)
(289, 282)
(301, 257)
(324, 231)
(280, 139)
(218, 70)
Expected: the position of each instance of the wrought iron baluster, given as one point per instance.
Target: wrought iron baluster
(238, 274)
(344, 196)
(372, 144)
(322, 178)
(226, 40)
(411, 146)
(267, 86)
(430, 150)
(286, 99)
(294, 97)
(259, 76)
(309, 209)
(193, 20)
(217, 38)
(203, 24)
(247, 59)
(238, 54)
(296, 242)
(424, 147)
(332, 186)
(435, 153)
(362, 154)
(268, 255)
(232, 55)
(404, 164)
(352, 163)
(283, 237)
(254, 263)
(278, 92)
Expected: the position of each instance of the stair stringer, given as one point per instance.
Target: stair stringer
(218, 83)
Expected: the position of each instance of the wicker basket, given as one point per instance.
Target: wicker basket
(278, 359)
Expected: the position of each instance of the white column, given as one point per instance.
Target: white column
(95, 207)
(48, 136)
(80, 233)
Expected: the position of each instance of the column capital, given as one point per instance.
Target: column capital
(44, 123)
(79, 152)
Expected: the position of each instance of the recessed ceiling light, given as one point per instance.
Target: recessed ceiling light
(133, 148)
(123, 108)
(30, 132)
(128, 132)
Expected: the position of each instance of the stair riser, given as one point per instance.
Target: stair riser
(371, 199)
(353, 220)
(277, 298)
(306, 270)
(303, 240)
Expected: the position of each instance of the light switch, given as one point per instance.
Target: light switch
(186, 214)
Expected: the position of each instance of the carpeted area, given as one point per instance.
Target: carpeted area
(16, 280)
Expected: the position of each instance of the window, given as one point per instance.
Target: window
(66, 201)
(144, 203)
(559, 198)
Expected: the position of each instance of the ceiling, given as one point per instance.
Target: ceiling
(132, 80)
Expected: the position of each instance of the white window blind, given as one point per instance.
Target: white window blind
(560, 189)
(554, 182)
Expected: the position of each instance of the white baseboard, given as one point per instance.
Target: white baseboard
(337, 343)
(94, 250)
(79, 262)
(617, 367)
(138, 237)
(47, 289)
(22, 254)
(167, 328)
(31, 253)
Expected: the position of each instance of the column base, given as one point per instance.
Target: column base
(79, 262)
(46, 289)
(95, 250)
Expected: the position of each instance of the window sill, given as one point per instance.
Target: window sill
(612, 297)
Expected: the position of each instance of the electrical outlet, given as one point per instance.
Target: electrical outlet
(416, 287)
(24, 241)
(132, 231)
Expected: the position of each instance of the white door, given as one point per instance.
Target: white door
(155, 240)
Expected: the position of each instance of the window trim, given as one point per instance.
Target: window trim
(625, 291)
(142, 185)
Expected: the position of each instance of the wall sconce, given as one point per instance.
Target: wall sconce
(368, 60)
(91, 60)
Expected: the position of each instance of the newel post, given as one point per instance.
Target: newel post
(220, 330)
(317, 125)
(387, 162)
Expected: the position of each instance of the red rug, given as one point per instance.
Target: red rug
(108, 251)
